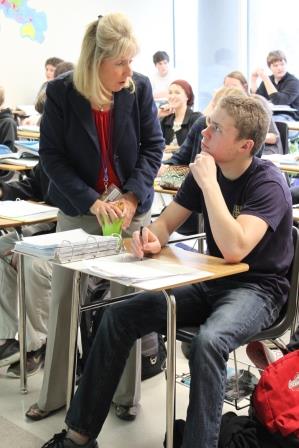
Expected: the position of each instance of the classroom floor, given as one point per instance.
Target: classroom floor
(147, 431)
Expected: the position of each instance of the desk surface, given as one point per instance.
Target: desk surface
(6, 223)
(292, 168)
(12, 167)
(296, 214)
(27, 134)
(159, 189)
(204, 267)
(293, 125)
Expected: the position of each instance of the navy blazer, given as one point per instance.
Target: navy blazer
(70, 151)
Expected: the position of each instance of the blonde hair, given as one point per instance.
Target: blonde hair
(110, 36)
(220, 93)
(250, 116)
(2, 95)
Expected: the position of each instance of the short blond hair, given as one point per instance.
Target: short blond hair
(110, 36)
(251, 118)
(2, 95)
(220, 93)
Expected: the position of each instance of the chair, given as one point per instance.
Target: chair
(284, 135)
(287, 319)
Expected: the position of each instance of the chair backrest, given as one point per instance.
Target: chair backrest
(284, 135)
(288, 318)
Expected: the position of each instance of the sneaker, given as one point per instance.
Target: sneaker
(61, 441)
(9, 352)
(261, 355)
(35, 361)
(127, 413)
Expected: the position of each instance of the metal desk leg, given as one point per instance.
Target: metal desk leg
(22, 325)
(73, 337)
(171, 366)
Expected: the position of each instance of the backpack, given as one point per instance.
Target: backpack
(151, 365)
(276, 398)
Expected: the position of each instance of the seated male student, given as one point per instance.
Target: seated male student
(38, 282)
(238, 194)
(8, 126)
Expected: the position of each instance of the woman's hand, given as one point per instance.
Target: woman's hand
(130, 203)
(144, 243)
(106, 211)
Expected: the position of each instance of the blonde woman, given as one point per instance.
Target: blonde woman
(99, 131)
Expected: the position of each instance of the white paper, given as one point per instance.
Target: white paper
(128, 270)
(23, 209)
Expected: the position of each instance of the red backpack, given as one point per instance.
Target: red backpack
(276, 397)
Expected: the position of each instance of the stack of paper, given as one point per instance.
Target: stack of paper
(26, 211)
(131, 271)
(70, 245)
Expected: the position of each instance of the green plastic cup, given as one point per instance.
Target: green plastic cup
(112, 228)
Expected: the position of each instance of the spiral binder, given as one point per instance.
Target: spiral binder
(72, 245)
(92, 248)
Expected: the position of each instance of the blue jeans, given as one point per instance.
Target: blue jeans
(228, 313)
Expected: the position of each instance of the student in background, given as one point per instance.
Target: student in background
(238, 195)
(192, 143)
(38, 282)
(50, 67)
(177, 116)
(63, 67)
(99, 130)
(60, 68)
(281, 88)
(272, 143)
(8, 127)
(236, 79)
(163, 76)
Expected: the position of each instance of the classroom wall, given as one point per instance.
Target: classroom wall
(22, 59)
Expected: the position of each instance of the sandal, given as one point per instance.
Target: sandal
(35, 413)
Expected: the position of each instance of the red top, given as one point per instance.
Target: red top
(103, 122)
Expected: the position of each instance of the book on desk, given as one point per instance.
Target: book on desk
(27, 153)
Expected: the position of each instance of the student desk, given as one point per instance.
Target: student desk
(13, 167)
(291, 168)
(28, 134)
(296, 214)
(206, 267)
(293, 125)
(161, 190)
(17, 224)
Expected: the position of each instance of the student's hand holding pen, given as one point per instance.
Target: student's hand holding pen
(145, 242)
